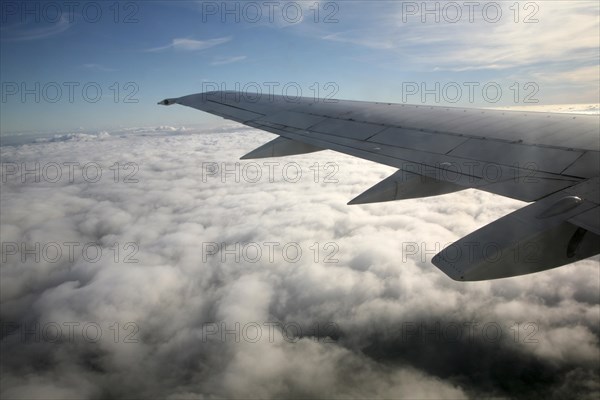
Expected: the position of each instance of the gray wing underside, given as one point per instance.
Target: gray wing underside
(545, 158)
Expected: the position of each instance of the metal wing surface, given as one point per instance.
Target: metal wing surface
(551, 160)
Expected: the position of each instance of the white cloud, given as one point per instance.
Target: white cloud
(351, 37)
(25, 31)
(185, 44)
(98, 67)
(593, 109)
(564, 36)
(176, 297)
(227, 60)
(74, 137)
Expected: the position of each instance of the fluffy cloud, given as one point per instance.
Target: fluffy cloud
(221, 303)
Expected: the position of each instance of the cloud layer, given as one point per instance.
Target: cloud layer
(214, 306)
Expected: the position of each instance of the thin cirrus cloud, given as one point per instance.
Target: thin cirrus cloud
(227, 60)
(185, 44)
(544, 33)
(360, 40)
(98, 67)
(24, 32)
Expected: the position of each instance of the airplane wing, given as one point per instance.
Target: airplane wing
(550, 160)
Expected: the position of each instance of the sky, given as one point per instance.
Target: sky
(141, 258)
(105, 64)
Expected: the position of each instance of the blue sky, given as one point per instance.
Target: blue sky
(544, 52)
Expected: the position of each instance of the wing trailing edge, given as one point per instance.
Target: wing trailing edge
(546, 158)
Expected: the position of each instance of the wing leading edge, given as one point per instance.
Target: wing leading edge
(438, 150)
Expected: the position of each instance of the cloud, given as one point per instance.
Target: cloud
(25, 31)
(593, 109)
(360, 40)
(84, 137)
(278, 15)
(227, 60)
(380, 322)
(478, 40)
(184, 44)
(98, 67)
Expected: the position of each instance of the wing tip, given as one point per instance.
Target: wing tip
(167, 102)
(448, 268)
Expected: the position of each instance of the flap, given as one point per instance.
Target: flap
(535, 238)
(280, 147)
